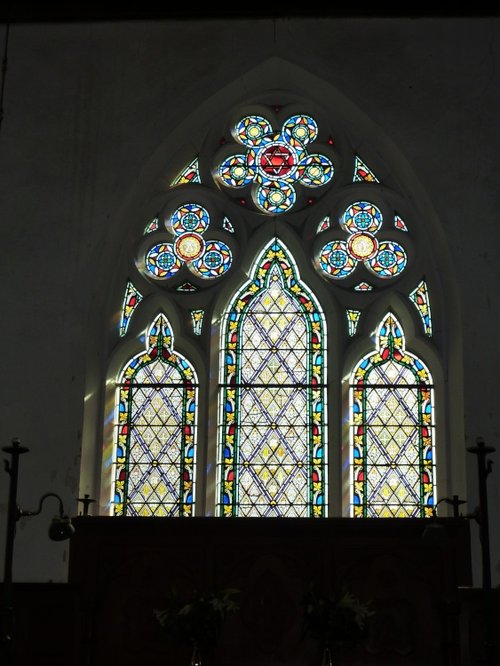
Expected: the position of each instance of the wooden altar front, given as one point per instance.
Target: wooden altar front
(410, 570)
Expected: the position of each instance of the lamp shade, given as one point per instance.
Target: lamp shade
(61, 528)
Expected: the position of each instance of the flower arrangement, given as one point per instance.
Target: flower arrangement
(336, 621)
(196, 620)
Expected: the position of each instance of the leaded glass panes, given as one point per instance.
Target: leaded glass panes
(362, 221)
(420, 298)
(392, 431)
(155, 430)
(272, 415)
(275, 161)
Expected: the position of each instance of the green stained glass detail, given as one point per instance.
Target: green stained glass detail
(420, 298)
(152, 226)
(272, 397)
(352, 321)
(190, 174)
(197, 320)
(363, 172)
(392, 431)
(131, 300)
(155, 430)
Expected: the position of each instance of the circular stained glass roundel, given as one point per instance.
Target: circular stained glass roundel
(251, 130)
(362, 246)
(216, 260)
(189, 246)
(277, 160)
(335, 259)
(300, 128)
(315, 170)
(189, 217)
(389, 261)
(236, 171)
(275, 197)
(161, 261)
(362, 216)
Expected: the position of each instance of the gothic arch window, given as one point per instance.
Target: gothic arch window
(272, 245)
(155, 430)
(272, 404)
(392, 430)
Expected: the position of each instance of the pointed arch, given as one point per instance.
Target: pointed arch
(155, 430)
(272, 395)
(392, 430)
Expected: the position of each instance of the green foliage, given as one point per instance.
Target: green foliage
(196, 619)
(337, 620)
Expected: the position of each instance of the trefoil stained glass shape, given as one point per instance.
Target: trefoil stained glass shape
(352, 321)
(272, 397)
(227, 226)
(197, 320)
(207, 259)
(420, 298)
(362, 172)
(155, 430)
(190, 174)
(392, 430)
(339, 258)
(131, 300)
(275, 161)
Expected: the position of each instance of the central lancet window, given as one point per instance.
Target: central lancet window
(392, 424)
(272, 412)
(155, 430)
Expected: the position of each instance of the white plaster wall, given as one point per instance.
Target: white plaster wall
(86, 105)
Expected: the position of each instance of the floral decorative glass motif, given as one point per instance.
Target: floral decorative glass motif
(155, 430)
(275, 162)
(392, 430)
(352, 321)
(272, 411)
(339, 258)
(207, 259)
(197, 320)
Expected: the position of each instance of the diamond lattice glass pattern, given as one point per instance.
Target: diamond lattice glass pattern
(156, 430)
(392, 456)
(272, 437)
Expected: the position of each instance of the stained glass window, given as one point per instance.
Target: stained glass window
(362, 172)
(272, 412)
(152, 226)
(323, 225)
(190, 174)
(340, 257)
(275, 161)
(392, 430)
(131, 300)
(206, 259)
(197, 320)
(420, 297)
(352, 321)
(155, 430)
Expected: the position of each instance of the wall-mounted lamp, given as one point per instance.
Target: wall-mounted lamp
(60, 529)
